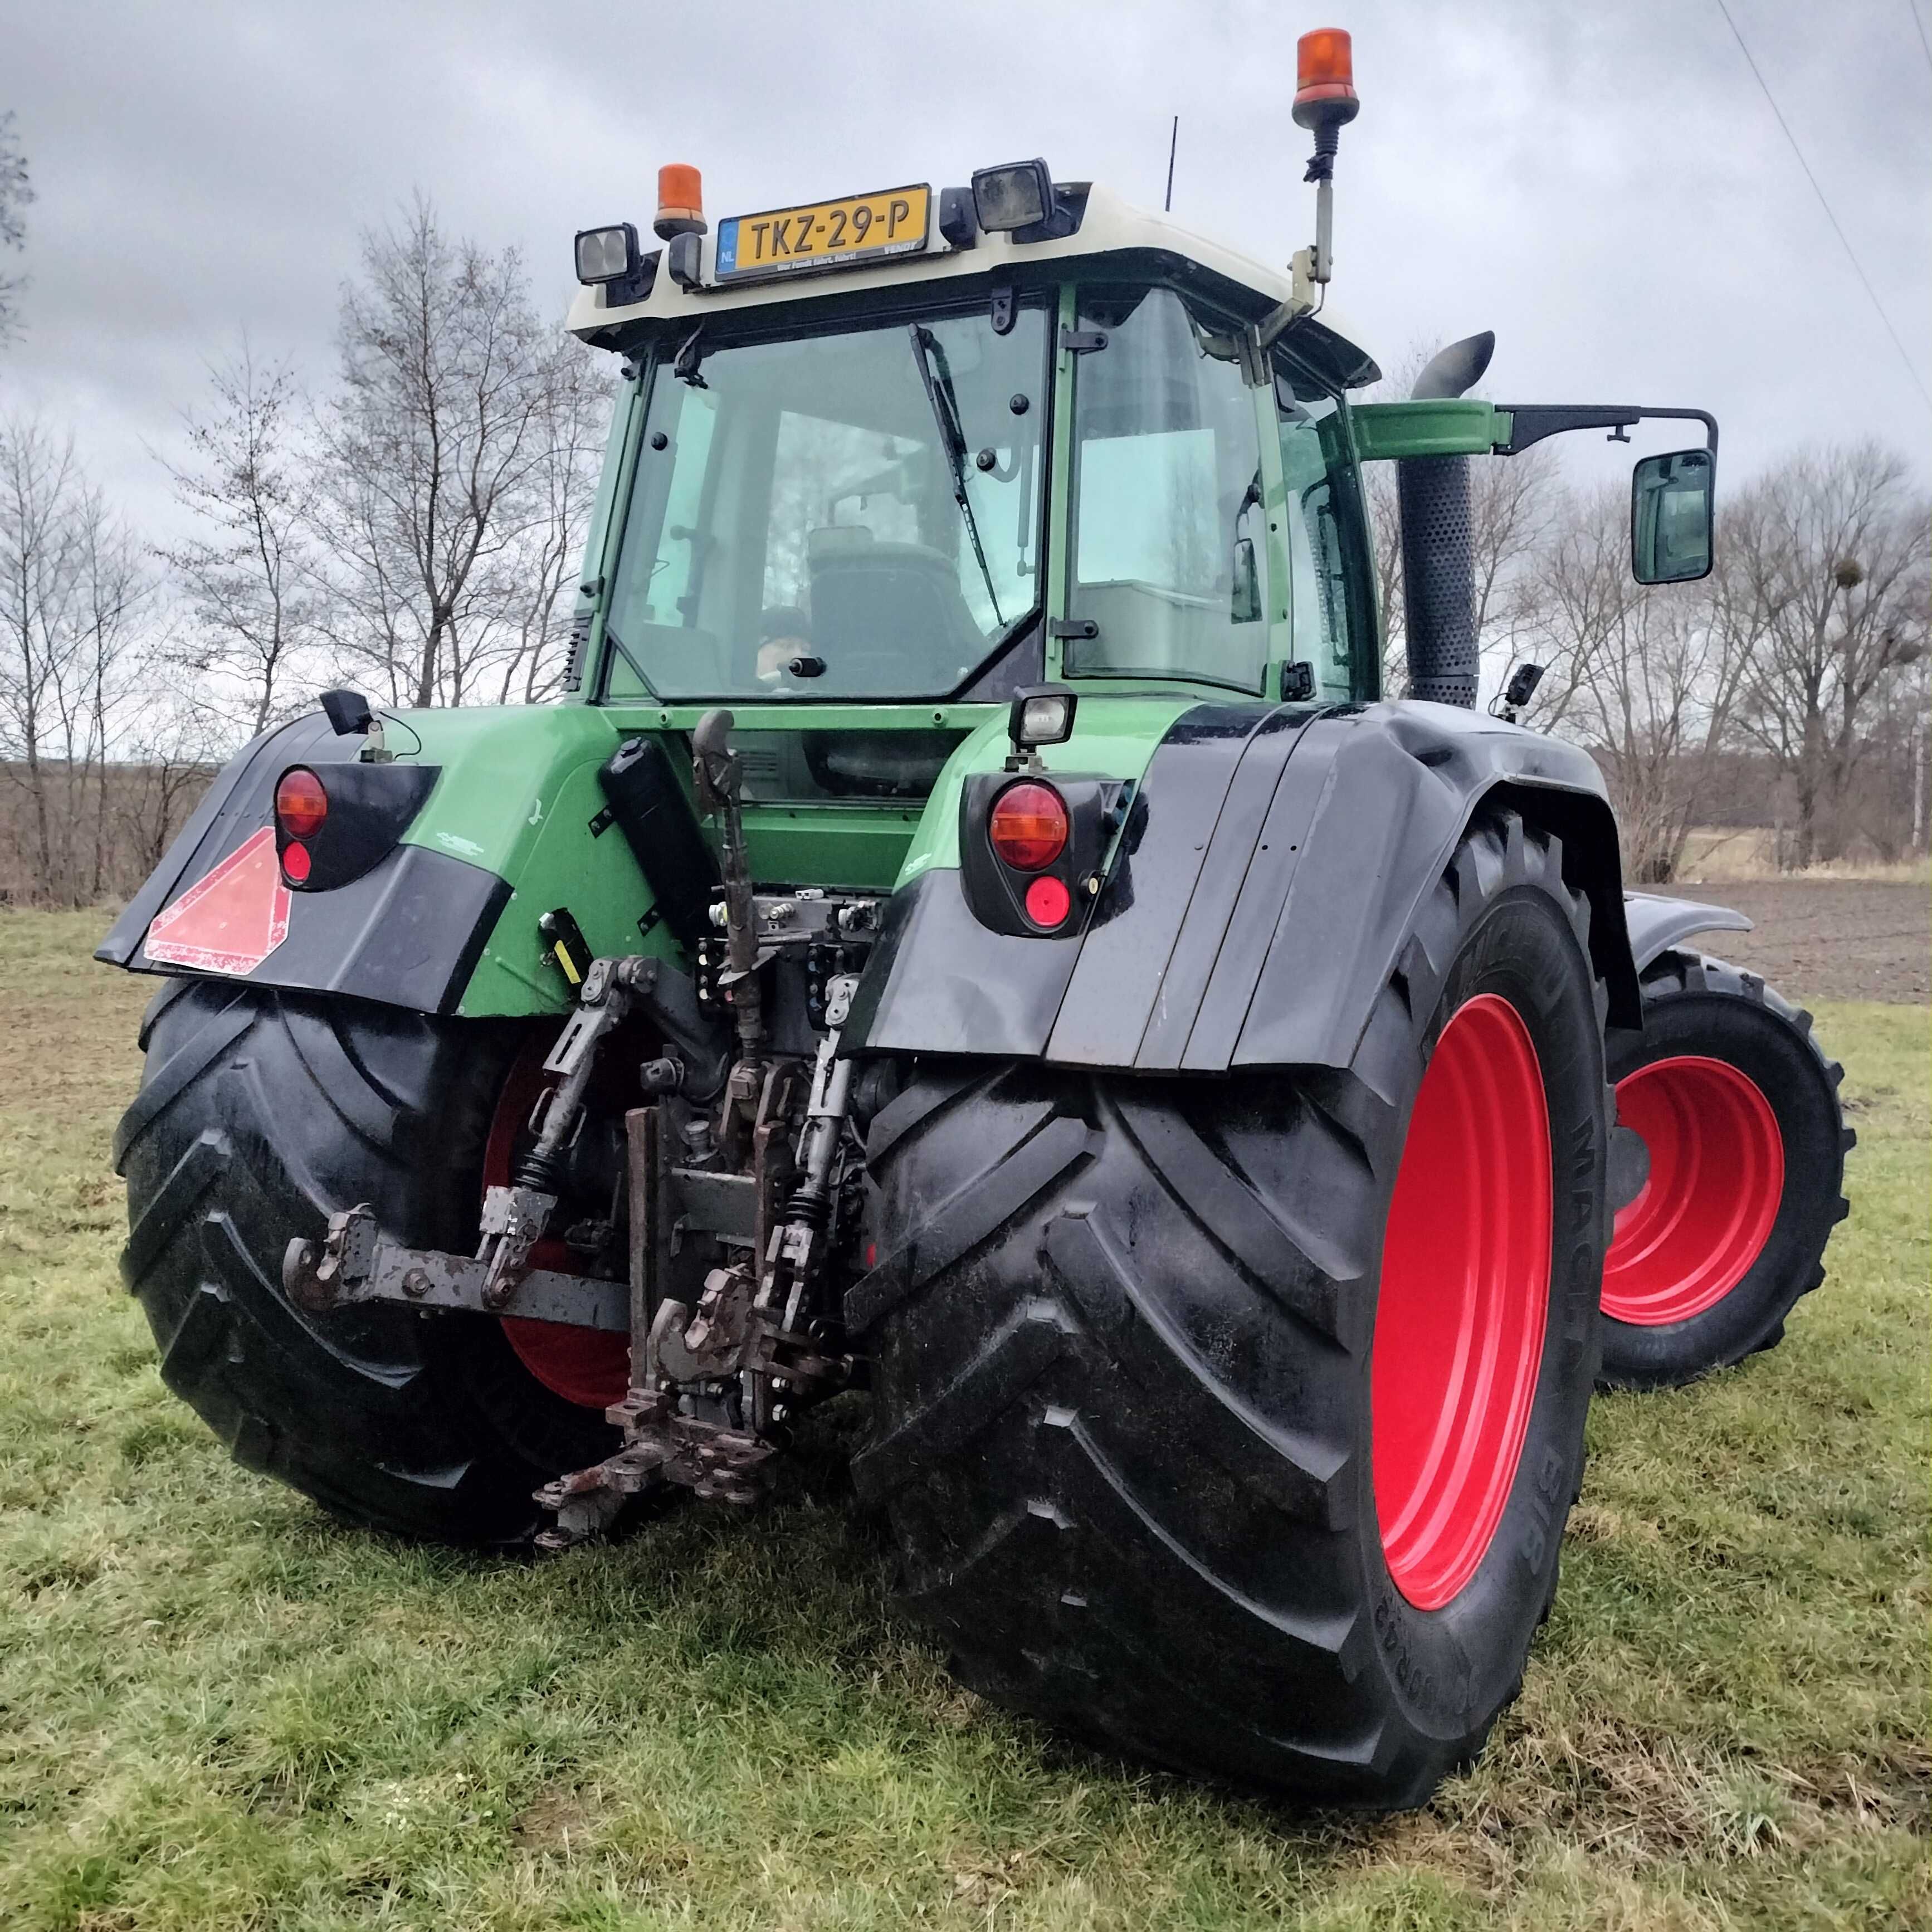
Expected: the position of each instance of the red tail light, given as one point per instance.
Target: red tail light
(301, 804)
(1028, 826)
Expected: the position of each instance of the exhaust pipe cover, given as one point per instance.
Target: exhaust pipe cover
(1438, 569)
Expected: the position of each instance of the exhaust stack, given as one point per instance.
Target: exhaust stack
(1438, 572)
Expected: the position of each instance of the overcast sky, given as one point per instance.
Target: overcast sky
(1610, 193)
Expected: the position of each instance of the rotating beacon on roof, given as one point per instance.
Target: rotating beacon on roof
(974, 931)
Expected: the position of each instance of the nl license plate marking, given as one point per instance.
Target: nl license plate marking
(824, 234)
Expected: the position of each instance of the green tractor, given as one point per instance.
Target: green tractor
(975, 932)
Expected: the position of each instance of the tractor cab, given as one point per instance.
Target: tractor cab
(976, 449)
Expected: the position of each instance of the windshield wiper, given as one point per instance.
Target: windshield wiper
(684, 367)
(937, 376)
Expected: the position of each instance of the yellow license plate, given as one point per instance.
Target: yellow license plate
(824, 234)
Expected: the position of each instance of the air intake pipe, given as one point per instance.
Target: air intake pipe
(1438, 572)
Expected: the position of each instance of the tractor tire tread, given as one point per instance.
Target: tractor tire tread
(261, 1113)
(1115, 1328)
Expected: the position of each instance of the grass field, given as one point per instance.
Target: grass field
(218, 1709)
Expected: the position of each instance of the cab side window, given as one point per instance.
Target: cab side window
(1169, 533)
(1334, 626)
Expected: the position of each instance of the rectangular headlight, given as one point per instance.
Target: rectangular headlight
(606, 254)
(1019, 195)
(1042, 716)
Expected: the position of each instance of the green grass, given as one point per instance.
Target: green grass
(219, 1709)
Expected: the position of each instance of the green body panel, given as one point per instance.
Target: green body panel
(1114, 735)
(1442, 426)
(519, 791)
(502, 766)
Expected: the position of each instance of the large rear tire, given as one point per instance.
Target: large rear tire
(1157, 1461)
(260, 1114)
(1743, 1145)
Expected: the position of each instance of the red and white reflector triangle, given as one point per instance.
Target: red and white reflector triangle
(230, 919)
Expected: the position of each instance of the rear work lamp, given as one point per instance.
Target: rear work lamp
(1042, 716)
(606, 254)
(1018, 195)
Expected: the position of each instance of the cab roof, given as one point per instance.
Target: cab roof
(1143, 244)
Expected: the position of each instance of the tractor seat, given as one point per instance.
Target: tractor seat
(883, 613)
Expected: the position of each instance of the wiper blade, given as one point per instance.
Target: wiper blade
(936, 378)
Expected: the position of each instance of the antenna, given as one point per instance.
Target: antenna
(1173, 142)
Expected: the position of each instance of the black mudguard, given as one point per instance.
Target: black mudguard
(407, 932)
(1656, 924)
(1267, 880)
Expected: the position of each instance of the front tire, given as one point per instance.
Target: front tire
(1128, 1358)
(260, 1114)
(1742, 1157)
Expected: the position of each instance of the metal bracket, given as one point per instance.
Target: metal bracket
(352, 1264)
(1082, 341)
(1531, 422)
(718, 1464)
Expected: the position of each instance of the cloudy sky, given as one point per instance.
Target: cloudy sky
(1606, 187)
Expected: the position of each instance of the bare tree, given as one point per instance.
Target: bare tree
(1647, 679)
(39, 481)
(537, 615)
(436, 455)
(1825, 563)
(167, 767)
(114, 587)
(71, 590)
(17, 191)
(252, 585)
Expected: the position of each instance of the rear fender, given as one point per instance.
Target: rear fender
(445, 921)
(1656, 924)
(1271, 874)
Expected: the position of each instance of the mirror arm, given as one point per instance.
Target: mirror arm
(1531, 422)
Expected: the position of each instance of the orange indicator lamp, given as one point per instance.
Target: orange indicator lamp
(680, 201)
(1325, 79)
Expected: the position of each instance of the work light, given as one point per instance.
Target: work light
(1018, 195)
(1040, 717)
(606, 254)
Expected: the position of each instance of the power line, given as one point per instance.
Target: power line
(1912, 7)
(1911, 368)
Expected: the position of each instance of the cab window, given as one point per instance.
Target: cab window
(853, 513)
(1327, 580)
(1169, 543)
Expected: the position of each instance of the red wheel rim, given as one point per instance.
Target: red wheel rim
(589, 1366)
(1716, 1178)
(1465, 1295)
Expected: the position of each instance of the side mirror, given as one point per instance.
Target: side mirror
(1672, 515)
